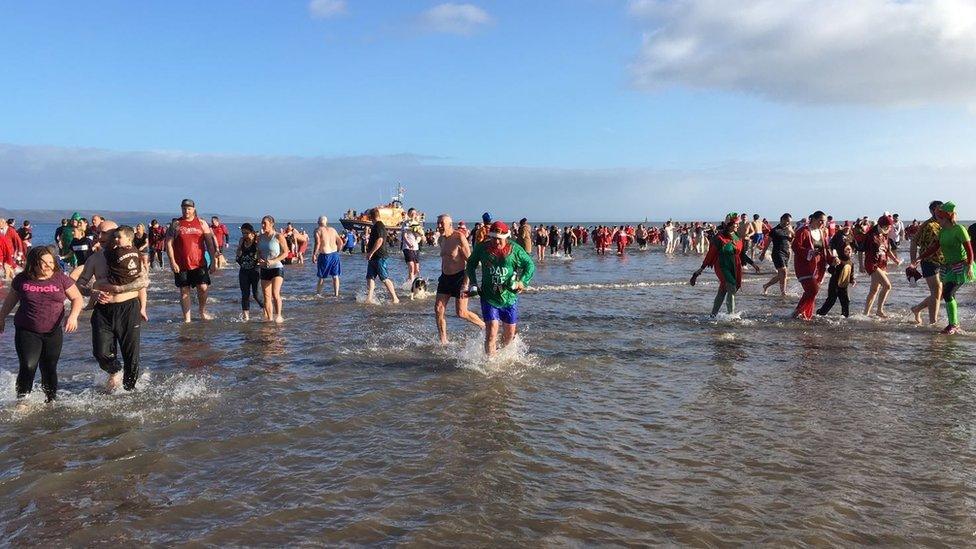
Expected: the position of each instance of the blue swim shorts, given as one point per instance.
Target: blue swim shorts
(507, 315)
(329, 265)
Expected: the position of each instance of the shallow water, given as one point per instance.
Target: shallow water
(625, 415)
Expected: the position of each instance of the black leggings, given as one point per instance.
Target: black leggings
(949, 291)
(834, 293)
(33, 350)
(117, 326)
(248, 279)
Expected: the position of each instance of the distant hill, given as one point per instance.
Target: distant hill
(55, 216)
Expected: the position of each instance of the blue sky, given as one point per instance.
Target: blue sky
(621, 109)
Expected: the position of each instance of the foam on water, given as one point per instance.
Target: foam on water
(602, 286)
(149, 400)
(514, 359)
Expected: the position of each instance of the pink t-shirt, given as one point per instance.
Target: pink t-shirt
(41, 301)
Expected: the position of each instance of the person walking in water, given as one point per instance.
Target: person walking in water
(922, 240)
(376, 255)
(41, 290)
(725, 257)
(877, 253)
(328, 262)
(248, 277)
(957, 253)
(189, 237)
(453, 281)
(811, 251)
(506, 270)
(272, 248)
(781, 237)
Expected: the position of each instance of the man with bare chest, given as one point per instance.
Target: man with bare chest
(453, 282)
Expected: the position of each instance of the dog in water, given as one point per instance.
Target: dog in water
(419, 288)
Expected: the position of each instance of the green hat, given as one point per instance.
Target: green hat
(731, 215)
(948, 207)
(76, 217)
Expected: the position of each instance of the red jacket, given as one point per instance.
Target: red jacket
(7, 253)
(807, 261)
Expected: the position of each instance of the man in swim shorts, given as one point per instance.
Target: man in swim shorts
(376, 255)
(187, 240)
(506, 269)
(326, 254)
(453, 281)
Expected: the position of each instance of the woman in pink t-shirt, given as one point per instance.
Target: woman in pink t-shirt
(41, 290)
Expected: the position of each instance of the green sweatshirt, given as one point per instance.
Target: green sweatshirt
(499, 274)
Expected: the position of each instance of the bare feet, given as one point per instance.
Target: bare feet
(245, 316)
(205, 315)
(279, 319)
(114, 380)
(881, 314)
(765, 289)
(186, 318)
(918, 316)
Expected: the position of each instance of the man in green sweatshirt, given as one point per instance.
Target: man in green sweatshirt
(506, 270)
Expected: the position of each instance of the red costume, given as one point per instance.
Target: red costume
(810, 264)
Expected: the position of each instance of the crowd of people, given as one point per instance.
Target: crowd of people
(109, 264)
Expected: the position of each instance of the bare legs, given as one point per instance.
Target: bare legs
(491, 336)
(931, 302)
(461, 308)
(201, 301)
(273, 305)
(371, 286)
(781, 277)
(880, 286)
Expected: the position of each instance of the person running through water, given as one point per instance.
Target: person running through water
(877, 253)
(506, 270)
(541, 242)
(781, 237)
(811, 254)
(328, 262)
(957, 267)
(188, 238)
(725, 257)
(922, 240)
(453, 281)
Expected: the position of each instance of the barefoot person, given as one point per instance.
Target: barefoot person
(326, 253)
(781, 237)
(922, 240)
(957, 268)
(376, 255)
(413, 232)
(221, 239)
(41, 290)
(116, 321)
(189, 237)
(811, 254)
(506, 269)
(248, 276)
(453, 281)
(272, 248)
(877, 253)
(725, 257)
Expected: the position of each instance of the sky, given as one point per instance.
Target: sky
(554, 110)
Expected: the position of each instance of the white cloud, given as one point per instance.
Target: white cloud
(462, 19)
(878, 52)
(323, 9)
